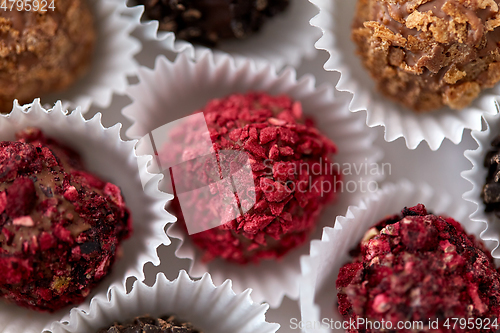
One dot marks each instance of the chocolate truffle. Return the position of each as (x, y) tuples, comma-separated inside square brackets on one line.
[(491, 188), (291, 176), (426, 54), (420, 267), (147, 324), (43, 51), (60, 226), (208, 21)]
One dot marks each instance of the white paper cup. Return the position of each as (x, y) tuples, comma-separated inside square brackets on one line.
[(490, 225), (285, 39), (210, 308), (174, 90), (335, 20), (112, 61), (106, 155), (318, 295)]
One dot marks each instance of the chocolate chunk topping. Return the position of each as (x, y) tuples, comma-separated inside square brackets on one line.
[(491, 188), (208, 21), (147, 324), (43, 52)]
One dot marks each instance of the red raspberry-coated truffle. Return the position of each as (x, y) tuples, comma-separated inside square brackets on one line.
[(291, 170), (420, 267), (60, 226)]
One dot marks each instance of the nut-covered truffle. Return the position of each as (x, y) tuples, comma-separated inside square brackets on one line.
[(60, 226), (426, 54), (208, 21), (43, 51), (148, 324), (420, 267), (291, 176)]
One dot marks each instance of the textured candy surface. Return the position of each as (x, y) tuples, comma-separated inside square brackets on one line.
[(208, 21), (43, 50), (426, 54), (61, 227), (147, 324), (419, 267), (491, 188), (292, 176)]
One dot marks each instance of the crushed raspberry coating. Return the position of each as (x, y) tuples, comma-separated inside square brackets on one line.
[(420, 267), (282, 148), (60, 227)]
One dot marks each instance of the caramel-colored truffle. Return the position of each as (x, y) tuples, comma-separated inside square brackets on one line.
[(43, 51), (426, 54)]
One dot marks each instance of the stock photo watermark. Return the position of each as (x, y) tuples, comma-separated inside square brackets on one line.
[(363, 176), (232, 181), (386, 325), (27, 5)]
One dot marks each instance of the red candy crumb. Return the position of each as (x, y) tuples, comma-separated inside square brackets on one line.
[(56, 239), (419, 267), (285, 152)]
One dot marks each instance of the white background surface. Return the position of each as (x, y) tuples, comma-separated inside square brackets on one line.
[(440, 168)]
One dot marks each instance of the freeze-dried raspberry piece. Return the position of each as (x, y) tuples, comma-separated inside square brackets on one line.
[(270, 130), (21, 197), (419, 267), (61, 227)]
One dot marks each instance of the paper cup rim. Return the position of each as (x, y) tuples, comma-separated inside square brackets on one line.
[(146, 238), (254, 313), (291, 51), (476, 177), (415, 128)]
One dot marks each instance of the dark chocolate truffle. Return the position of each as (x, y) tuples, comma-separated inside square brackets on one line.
[(208, 21), (43, 51), (291, 174), (148, 324), (426, 54), (420, 267), (60, 226), (491, 188)]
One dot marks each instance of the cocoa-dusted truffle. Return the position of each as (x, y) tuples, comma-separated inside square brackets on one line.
[(165, 324), (420, 267), (291, 175), (208, 21), (43, 51), (60, 226), (426, 54), (491, 188)]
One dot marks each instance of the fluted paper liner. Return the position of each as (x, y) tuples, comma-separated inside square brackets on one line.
[(318, 296), (284, 39), (112, 61), (114, 160), (210, 308), (490, 225), (174, 90), (335, 20)]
